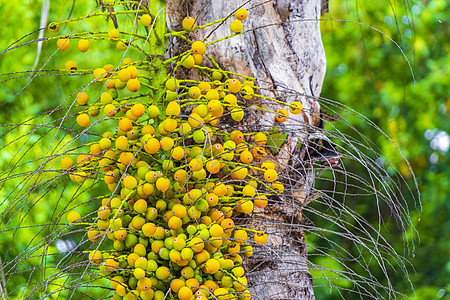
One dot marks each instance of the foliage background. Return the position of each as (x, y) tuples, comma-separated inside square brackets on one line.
[(365, 71)]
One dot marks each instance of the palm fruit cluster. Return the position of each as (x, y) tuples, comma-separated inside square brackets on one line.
[(177, 177)]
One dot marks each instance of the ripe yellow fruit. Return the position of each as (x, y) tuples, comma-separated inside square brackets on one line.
[(247, 92), (122, 143), (73, 216), (63, 44), (281, 116), (198, 58), (173, 109), (195, 120), (166, 143), (295, 107), (246, 157), (213, 166), (99, 73), (188, 62), (124, 75), (195, 165), (83, 45), (236, 26), (95, 257), (261, 201), (133, 71), (162, 184), (188, 23), (129, 182), (121, 46), (146, 20), (113, 34), (261, 238), (71, 66), (169, 125), (212, 266), (138, 110), (133, 85), (125, 124), (237, 114), (241, 14), (234, 85), (198, 47), (270, 175), (185, 293), (260, 139), (66, 163), (83, 120), (82, 98)]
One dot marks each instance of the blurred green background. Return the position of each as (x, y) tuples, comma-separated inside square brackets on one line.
[(368, 73), (365, 71)]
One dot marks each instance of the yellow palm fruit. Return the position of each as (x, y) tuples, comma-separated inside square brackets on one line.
[(188, 62), (260, 139), (71, 66), (188, 23), (261, 201), (73, 216), (82, 98), (99, 73), (113, 34), (234, 85), (83, 45), (194, 92), (138, 110), (261, 237), (66, 163), (63, 44), (237, 114), (282, 115), (95, 257), (270, 175), (133, 85), (83, 120), (295, 107), (146, 20), (241, 14), (152, 146), (236, 26), (124, 75)]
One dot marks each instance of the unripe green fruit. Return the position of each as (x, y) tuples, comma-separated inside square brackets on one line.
[(164, 253), (179, 243), (162, 273), (167, 165), (191, 229), (152, 265), (199, 136), (131, 240), (202, 205), (216, 75), (187, 254), (153, 111)]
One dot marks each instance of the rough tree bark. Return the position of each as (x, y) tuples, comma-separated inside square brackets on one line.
[(282, 48)]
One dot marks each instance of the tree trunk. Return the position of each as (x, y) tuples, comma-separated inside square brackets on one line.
[(282, 48)]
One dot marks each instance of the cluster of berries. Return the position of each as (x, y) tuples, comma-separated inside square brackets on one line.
[(177, 177)]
